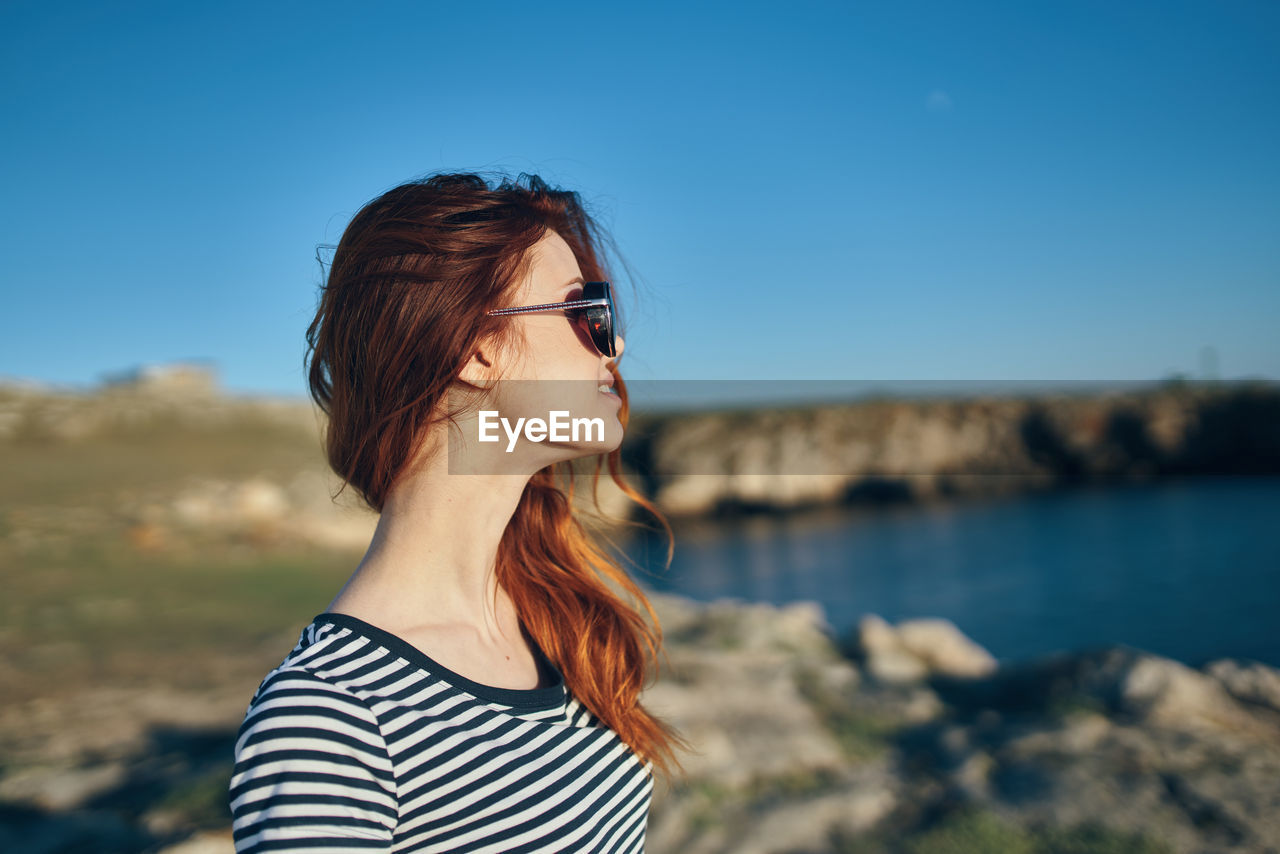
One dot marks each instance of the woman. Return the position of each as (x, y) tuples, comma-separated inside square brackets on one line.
[(473, 686)]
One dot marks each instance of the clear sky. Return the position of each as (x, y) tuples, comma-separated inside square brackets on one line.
[(889, 190)]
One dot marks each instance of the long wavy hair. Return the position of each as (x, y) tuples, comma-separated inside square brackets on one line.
[(401, 310)]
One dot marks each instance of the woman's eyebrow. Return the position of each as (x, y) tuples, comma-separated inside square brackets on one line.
[(578, 280)]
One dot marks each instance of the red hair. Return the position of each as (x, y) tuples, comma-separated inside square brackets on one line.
[(401, 310)]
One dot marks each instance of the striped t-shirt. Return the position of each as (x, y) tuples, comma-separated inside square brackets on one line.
[(358, 741)]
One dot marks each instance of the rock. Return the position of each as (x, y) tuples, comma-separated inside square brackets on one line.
[(808, 823), (917, 648), (897, 666), (206, 842), (884, 656), (1254, 682), (53, 787), (1170, 694), (258, 499), (732, 689), (944, 648)]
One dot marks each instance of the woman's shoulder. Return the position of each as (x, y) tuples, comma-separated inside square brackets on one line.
[(297, 692), (318, 666)]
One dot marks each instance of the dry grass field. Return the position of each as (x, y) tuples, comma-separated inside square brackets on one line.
[(131, 636)]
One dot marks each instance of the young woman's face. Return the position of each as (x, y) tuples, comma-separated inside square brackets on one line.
[(559, 347), (558, 369)]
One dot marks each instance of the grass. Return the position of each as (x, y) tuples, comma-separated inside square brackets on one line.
[(83, 606), (40, 471), (97, 612)]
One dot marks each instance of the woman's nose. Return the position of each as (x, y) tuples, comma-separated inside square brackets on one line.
[(618, 345)]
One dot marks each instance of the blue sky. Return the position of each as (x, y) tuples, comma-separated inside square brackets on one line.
[(892, 190)]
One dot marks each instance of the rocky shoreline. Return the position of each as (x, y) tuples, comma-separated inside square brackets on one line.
[(910, 737), (894, 738)]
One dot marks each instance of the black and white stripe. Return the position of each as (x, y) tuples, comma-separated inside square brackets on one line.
[(360, 742)]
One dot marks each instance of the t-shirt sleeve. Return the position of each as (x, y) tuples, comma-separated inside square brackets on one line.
[(312, 772)]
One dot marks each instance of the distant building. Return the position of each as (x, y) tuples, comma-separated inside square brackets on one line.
[(189, 377)]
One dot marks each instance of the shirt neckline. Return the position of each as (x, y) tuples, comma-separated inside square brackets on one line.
[(529, 699)]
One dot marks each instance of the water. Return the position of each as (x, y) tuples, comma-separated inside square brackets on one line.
[(1188, 569)]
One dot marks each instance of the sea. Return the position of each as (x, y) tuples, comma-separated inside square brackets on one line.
[(1185, 568)]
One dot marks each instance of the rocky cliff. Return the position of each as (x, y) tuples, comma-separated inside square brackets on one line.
[(696, 463)]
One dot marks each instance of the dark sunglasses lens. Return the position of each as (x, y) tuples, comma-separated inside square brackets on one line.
[(600, 320), (600, 325)]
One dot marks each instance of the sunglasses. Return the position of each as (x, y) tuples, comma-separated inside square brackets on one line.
[(595, 304)]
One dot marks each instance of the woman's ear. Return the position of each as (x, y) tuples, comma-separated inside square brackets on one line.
[(477, 370)]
